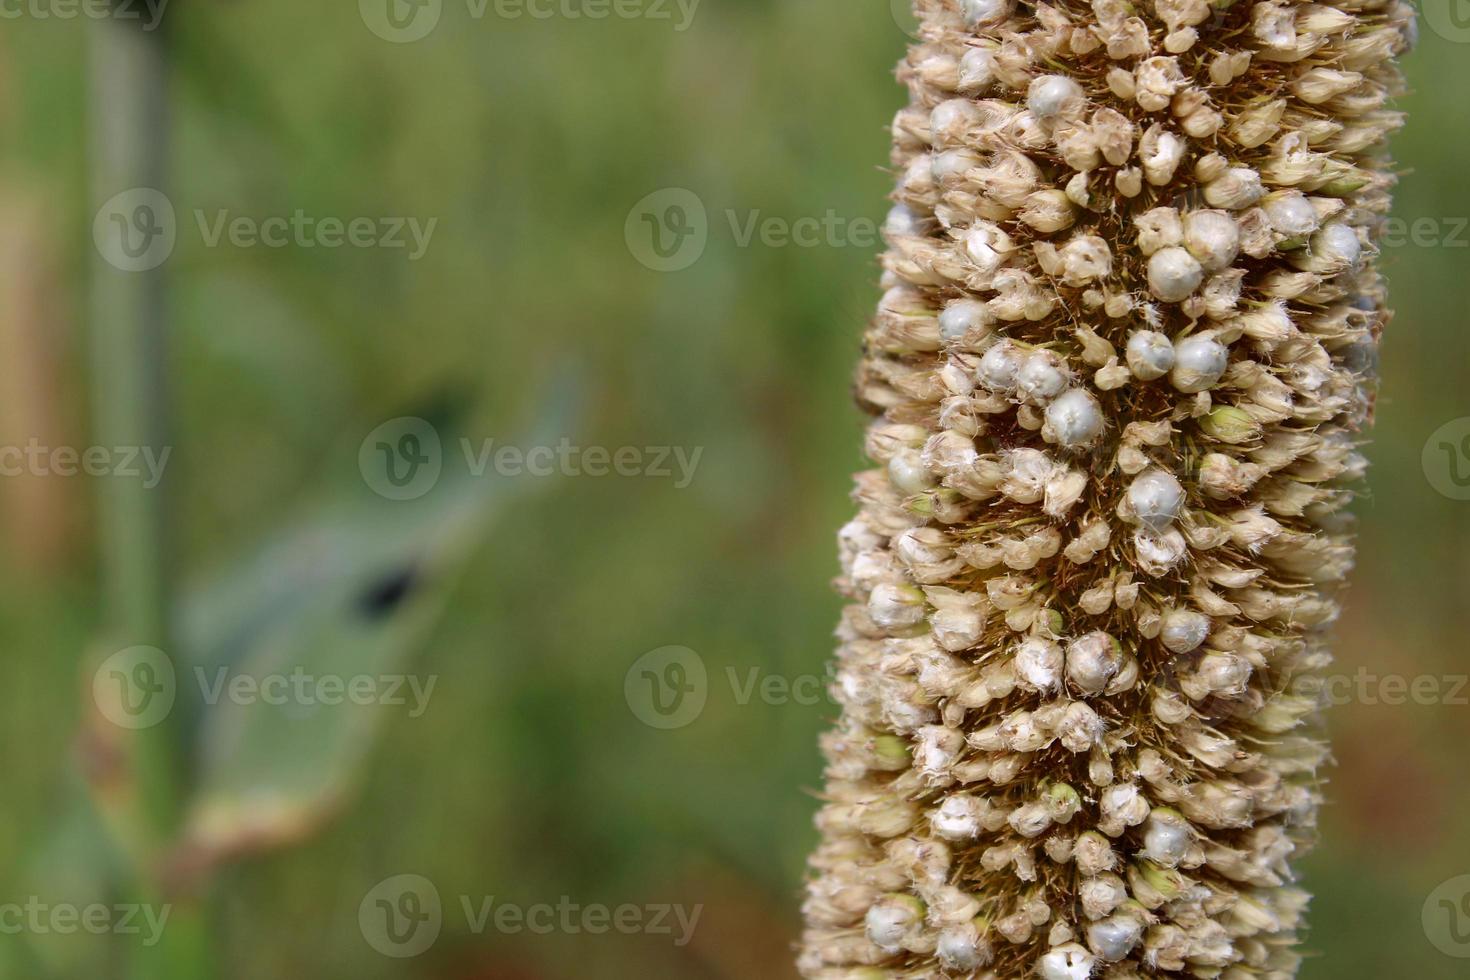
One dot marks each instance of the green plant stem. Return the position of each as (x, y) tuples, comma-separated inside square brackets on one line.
[(129, 129)]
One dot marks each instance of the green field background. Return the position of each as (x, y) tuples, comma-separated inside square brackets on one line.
[(530, 779)]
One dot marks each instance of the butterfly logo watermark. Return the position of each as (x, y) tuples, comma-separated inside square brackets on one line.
[(402, 459), (402, 916), (1446, 917), (1450, 19), (135, 688), (401, 21), (667, 688), (136, 230), (667, 231), (1446, 459)]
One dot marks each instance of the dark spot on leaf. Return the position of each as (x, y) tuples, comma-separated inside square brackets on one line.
[(387, 594)]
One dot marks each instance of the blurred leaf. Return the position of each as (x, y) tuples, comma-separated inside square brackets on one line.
[(349, 594), (342, 596)]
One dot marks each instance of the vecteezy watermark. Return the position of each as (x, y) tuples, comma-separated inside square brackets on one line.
[(137, 230), (401, 21), (1425, 233), (302, 688), (148, 12), (137, 688), (403, 458), (39, 918), (302, 230), (1450, 19), (905, 17), (1394, 690), (668, 230), (406, 21), (403, 916), (1446, 459), (127, 462), (670, 687), (1446, 917)]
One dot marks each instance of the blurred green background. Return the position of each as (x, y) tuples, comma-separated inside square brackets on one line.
[(529, 778)]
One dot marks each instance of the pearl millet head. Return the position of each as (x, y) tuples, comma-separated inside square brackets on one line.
[(1118, 383)]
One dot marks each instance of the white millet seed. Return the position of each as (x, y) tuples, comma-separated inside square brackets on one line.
[(1235, 189), (1093, 661), (1174, 274), (951, 163), (903, 221), (896, 605), (1161, 152), (1124, 804), (1042, 376), (1212, 237), (999, 367), (960, 949), (891, 918), (1101, 895), (1150, 355), (907, 471), (952, 117), (958, 818), (1050, 95), (962, 316), (979, 12), (1156, 498), (1039, 665), (988, 246), (1115, 937), (1069, 962), (1074, 418), (1184, 630), (1199, 362), (1225, 673), (1335, 248), (1166, 838), (1158, 553), (1291, 214), (977, 70)]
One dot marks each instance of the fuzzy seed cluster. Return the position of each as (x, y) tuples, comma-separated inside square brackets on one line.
[(1119, 378)]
